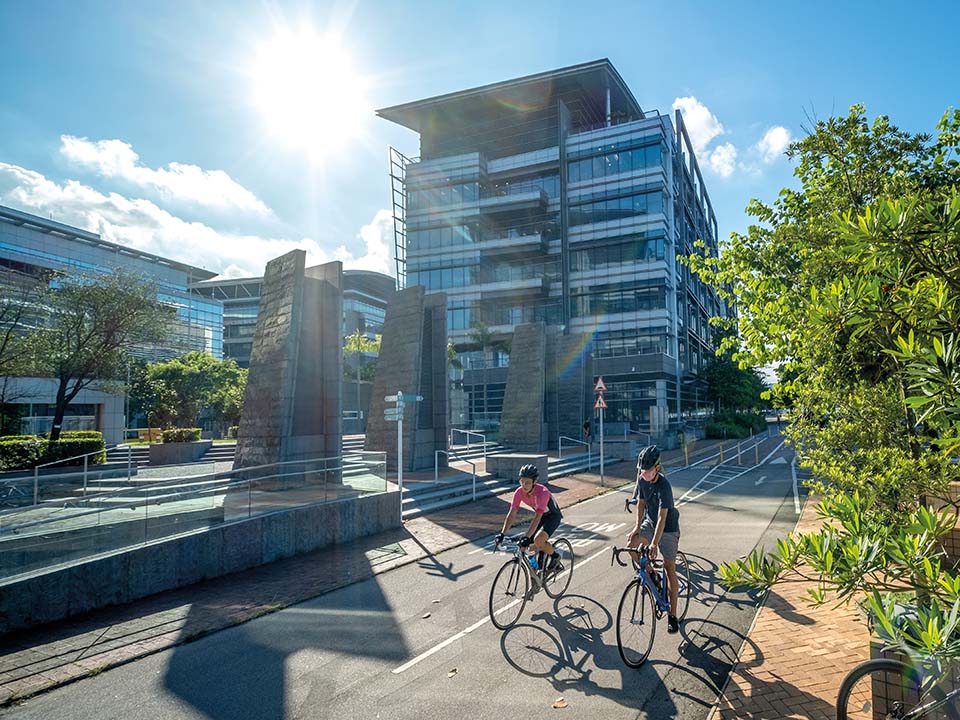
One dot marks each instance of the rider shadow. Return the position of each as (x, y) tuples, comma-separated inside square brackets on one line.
[(435, 568), (706, 591), (573, 637)]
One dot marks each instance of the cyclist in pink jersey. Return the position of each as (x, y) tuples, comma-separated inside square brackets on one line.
[(546, 519)]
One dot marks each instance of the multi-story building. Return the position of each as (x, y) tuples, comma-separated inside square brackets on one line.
[(556, 198), (35, 247)]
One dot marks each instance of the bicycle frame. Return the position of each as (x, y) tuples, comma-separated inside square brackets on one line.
[(538, 575), (643, 575)]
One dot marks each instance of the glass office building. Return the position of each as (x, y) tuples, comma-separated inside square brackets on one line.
[(33, 248), (556, 198)]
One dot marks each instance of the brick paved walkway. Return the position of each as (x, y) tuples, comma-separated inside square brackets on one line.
[(795, 657)]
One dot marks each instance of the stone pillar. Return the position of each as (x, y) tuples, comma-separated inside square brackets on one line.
[(292, 408), (412, 360), (569, 385), (522, 425)]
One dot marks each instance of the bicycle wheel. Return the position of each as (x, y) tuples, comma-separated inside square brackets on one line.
[(883, 688), (684, 584), (508, 594), (636, 624), (556, 583)]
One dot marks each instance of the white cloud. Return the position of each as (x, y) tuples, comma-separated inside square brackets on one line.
[(142, 225), (190, 183), (773, 143), (702, 125), (377, 237), (723, 159)]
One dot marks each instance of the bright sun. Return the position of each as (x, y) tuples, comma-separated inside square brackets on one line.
[(308, 92)]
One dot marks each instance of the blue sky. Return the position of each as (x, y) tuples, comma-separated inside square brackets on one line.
[(144, 121)]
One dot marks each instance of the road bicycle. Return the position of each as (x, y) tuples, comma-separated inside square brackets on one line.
[(645, 600), (888, 689), (524, 575)]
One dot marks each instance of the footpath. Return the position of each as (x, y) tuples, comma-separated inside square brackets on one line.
[(789, 667)]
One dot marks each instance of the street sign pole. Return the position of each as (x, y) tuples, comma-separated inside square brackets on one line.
[(400, 451), (601, 448)]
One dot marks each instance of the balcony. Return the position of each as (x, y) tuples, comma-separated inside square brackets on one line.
[(535, 200), (514, 242)]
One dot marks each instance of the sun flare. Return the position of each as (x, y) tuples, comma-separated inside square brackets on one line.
[(308, 92)]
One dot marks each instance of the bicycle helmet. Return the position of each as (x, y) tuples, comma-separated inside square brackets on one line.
[(530, 471), (648, 457)]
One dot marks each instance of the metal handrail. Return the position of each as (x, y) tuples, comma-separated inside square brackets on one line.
[(468, 433), (85, 456), (436, 467), (579, 442), (628, 431)]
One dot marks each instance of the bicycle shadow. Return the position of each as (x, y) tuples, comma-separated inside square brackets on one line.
[(706, 590), (569, 647)]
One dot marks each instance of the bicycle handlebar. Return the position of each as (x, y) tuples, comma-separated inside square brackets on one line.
[(643, 551), (627, 503)]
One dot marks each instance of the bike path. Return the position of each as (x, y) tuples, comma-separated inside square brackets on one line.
[(336, 655)]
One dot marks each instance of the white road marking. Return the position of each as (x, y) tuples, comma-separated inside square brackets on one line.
[(453, 638), (760, 480)]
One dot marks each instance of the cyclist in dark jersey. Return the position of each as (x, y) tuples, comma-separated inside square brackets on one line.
[(658, 522), (546, 519)]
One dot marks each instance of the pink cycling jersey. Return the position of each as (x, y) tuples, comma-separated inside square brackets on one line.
[(540, 502)]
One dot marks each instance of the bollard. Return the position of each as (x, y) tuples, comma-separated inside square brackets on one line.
[(739, 454), (756, 454), (721, 454), (686, 454)]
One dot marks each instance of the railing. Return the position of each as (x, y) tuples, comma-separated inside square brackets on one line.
[(436, 467), (76, 527), (86, 463), (579, 442), (628, 431), (468, 433)]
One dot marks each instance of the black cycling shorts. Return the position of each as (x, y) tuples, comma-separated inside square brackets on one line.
[(549, 523)]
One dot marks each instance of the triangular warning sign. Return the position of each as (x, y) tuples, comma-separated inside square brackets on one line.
[(600, 386), (600, 404)]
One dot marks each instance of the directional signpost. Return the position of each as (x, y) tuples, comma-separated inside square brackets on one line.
[(395, 414), (600, 405)]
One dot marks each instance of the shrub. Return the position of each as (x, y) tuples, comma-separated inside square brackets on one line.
[(20, 454), (175, 435), (81, 434), (24, 454), (735, 425), (8, 438)]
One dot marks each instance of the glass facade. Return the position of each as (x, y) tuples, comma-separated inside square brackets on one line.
[(38, 246), (571, 214)]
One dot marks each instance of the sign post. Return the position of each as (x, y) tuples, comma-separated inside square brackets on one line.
[(600, 405), (395, 414)]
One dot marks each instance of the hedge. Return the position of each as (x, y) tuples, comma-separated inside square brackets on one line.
[(24, 454), (81, 434), (734, 425), (175, 435), (8, 438)]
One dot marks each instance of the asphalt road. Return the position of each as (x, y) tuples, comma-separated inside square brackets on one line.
[(372, 651)]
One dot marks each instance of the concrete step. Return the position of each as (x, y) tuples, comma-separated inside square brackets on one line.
[(426, 499), (572, 464), (476, 450)]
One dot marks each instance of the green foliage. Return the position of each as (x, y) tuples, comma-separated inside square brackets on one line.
[(851, 283), (180, 435), (27, 453), (177, 391), (89, 326), (731, 424), (10, 438)]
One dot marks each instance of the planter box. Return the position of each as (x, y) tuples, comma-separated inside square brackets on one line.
[(507, 465), (178, 453)]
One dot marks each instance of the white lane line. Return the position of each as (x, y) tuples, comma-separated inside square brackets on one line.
[(686, 497), (453, 638), (760, 480), (796, 494)]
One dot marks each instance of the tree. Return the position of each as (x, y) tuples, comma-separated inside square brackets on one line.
[(177, 391), (731, 387), (90, 324), (358, 343), (852, 282), (21, 296)]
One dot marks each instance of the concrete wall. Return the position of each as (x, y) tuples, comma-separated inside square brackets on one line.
[(122, 577), (569, 386), (507, 465), (176, 453)]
